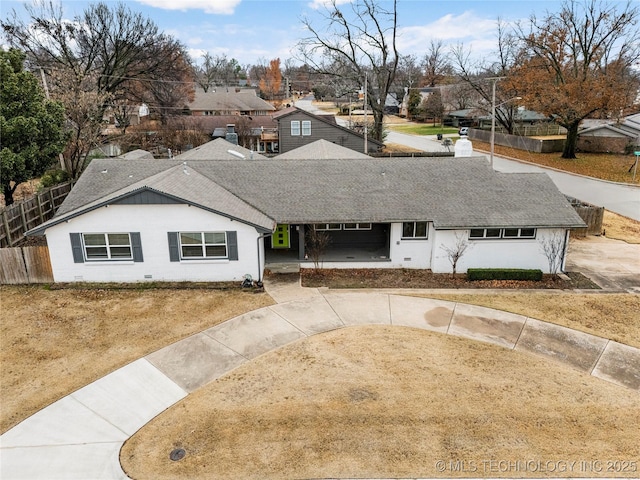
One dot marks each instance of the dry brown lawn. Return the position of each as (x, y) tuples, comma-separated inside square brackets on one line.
[(612, 316), (621, 228), (613, 167), (389, 402), (56, 341)]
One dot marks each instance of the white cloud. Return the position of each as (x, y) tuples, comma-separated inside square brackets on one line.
[(467, 28), (221, 7), (317, 4)]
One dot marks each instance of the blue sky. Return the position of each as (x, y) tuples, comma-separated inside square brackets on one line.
[(249, 30)]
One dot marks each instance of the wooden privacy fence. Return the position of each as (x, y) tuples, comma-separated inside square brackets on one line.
[(22, 216), (592, 216), (25, 265)]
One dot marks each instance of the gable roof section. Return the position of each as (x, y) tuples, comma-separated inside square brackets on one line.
[(218, 149), (177, 182), (137, 154), (615, 130), (327, 121), (321, 149)]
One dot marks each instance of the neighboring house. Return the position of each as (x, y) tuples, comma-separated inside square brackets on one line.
[(297, 127), (218, 220), (244, 102), (258, 133), (461, 118), (403, 106), (610, 137)]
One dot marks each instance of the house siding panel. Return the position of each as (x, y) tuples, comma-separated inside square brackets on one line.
[(157, 265), (319, 130), (499, 253)]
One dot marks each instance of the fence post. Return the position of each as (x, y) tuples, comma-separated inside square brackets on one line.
[(6, 228), (23, 216), (39, 208), (51, 198)]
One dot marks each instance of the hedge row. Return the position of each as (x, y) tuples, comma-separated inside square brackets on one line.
[(503, 274)]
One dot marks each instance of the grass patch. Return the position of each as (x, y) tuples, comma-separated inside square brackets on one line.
[(387, 402), (421, 129), (56, 341), (621, 228), (613, 316), (613, 167)]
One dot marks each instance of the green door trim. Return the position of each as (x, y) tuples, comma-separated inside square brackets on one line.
[(281, 237)]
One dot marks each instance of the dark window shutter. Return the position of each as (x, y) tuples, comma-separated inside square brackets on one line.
[(232, 245), (76, 247), (136, 246), (174, 249)]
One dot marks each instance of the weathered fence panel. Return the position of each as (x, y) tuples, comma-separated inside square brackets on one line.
[(38, 264), (27, 214), (12, 268), (19, 265), (593, 216)]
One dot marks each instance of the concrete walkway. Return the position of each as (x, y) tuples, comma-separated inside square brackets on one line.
[(80, 436)]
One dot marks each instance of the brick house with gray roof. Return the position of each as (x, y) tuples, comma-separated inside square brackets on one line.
[(219, 219)]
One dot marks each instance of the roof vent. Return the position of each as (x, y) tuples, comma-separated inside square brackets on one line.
[(236, 154)]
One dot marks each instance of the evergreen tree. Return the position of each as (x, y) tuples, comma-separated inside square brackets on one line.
[(31, 126)]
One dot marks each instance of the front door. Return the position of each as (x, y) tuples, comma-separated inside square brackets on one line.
[(280, 238)]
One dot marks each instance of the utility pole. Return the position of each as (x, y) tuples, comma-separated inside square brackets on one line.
[(366, 149)]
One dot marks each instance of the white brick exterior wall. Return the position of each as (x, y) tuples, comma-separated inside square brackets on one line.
[(153, 222)]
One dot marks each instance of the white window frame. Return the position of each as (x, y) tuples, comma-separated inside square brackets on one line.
[(321, 227), (295, 128), (108, 246), (203, 246), (502, 234), (357, 226), (413, 235), (519, 234), (306, 128)]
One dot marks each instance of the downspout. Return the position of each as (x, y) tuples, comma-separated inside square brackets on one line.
[(564, 249), (261, 237)]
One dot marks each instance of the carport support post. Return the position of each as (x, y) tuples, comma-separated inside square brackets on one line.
[(301, 242), (261, 237)]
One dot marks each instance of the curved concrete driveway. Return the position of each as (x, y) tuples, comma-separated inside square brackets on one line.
[(80, 436)]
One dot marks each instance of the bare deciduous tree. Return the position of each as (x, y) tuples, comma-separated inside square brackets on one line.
[(456, 251), (316, 243), (354, 43), (553, 248), (436, 64), (578, 62), (217, 71), (480, 75), (102, 54)]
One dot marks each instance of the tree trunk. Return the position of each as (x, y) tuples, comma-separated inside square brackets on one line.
[(8, 193), (572, 140), (378, 124)]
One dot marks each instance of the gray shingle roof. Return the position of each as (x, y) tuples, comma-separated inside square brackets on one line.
[(137, 154), (451, 192), (229, 101), (218, 149), (321, 149)]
